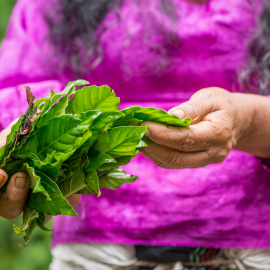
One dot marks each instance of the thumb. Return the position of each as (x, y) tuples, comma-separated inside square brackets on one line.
[(200, 104)]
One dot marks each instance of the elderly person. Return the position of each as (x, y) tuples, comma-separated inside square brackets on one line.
[(159, 54)]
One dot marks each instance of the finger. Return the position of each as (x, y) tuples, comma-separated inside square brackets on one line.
[(5, 132), (198, 137), (74, 199), (154, 160), (13, 200), (200, 104), (3, 177), (172, 159)]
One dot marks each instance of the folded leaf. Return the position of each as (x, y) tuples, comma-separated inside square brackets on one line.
[(155, 115), (97, 159), (76, 181), (120, 140), (119, 161), (115, 178), (69, 89), (30, 215), (92, 183), (57, 206), (35, 182)]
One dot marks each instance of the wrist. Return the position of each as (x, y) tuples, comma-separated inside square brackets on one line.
[(244, 112), (251, 124)]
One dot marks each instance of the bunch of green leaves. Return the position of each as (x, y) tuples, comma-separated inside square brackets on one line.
[(75, 144)]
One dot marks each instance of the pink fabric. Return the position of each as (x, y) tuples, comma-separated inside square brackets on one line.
[(151, 62)]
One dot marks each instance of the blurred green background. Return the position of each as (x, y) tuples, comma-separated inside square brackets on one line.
[(5, 11), (36, 256)]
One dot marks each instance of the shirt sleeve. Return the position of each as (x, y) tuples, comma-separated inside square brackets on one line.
[(25, 57)]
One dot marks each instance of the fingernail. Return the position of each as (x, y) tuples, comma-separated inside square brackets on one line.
[(2, 178), (179, 113), (20, 182), (147, 133)]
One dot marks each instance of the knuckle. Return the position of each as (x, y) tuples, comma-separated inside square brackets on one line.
[(192, 109), (224, 137), (173, 161), (188, 142), (221, 133), (205, 93), (220, 155), (160, 164)]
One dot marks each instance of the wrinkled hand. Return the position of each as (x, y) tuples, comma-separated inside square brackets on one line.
[(207, 140), (13, 200)]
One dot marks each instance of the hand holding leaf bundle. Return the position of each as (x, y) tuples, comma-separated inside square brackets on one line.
[(73, 145)]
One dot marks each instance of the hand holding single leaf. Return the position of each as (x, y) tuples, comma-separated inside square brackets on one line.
[(207, 140)]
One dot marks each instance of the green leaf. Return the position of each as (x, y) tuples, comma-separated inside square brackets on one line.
[(128, 119), (42, 227), (35, 182), (115, 178), (57, 206), (96, 159), (92, 182), (69, 90), (103, 122), (44, 104), (119, 161), (77, 180), (56, 110), (52, 169), (30, 216), (120, 140), (155, 115), (40, 221), (63, 134), (93, 98)]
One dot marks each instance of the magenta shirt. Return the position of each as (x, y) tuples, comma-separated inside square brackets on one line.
[(149, 62)]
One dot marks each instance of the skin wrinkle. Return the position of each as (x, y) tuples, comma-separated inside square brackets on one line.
[(188, 142)]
